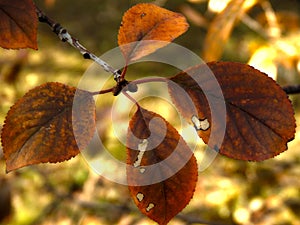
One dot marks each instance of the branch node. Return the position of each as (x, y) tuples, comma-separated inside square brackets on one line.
[(117, 75), (56, 28), (86, 55), (42, 18), (119, 87), (132, 87)]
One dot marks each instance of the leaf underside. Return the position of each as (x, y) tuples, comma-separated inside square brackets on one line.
[(40, 127), (146, 28), (170, 161), (259, 116), (18, 24)]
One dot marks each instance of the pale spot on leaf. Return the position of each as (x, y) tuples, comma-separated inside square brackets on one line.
[(142, 148), (149, 207), (140, 197), (142, 170), (143, 145), (200, 124)]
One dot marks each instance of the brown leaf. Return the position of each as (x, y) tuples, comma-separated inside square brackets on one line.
[(18, 24), (162, 170), (149, 27), (220, 30), (41, 126), (259, 116)]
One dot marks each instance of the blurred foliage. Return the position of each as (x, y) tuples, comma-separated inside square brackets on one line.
[(229, 192)]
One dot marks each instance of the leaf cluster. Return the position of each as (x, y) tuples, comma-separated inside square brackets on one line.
[(47, 125)]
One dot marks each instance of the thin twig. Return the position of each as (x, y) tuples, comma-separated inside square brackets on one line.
[(292, 89), (64, 36), (102, 91), (150, 79)]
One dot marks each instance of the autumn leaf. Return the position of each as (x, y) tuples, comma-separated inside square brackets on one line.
[(40, 127), (18, 26), (146, 27), (259, 116), (162, 170)]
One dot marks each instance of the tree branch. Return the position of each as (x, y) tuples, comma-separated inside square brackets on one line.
[(292, 89), (64, 36)]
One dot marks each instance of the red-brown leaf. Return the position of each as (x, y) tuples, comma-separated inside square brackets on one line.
[(18, 24), (145, 22), (162, 179), (40, 127), (259, 118)]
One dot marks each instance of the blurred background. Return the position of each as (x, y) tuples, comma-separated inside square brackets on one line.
[(263, 33)]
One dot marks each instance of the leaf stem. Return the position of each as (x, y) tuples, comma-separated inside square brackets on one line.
[(141, 81), (122, 76), (64, 36), (131, 98), (102, 91), (148, 80)]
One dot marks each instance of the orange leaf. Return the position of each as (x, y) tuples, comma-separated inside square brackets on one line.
[(162, 170), (148, 27), (18, 26), (259, 116), (40, 127)]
